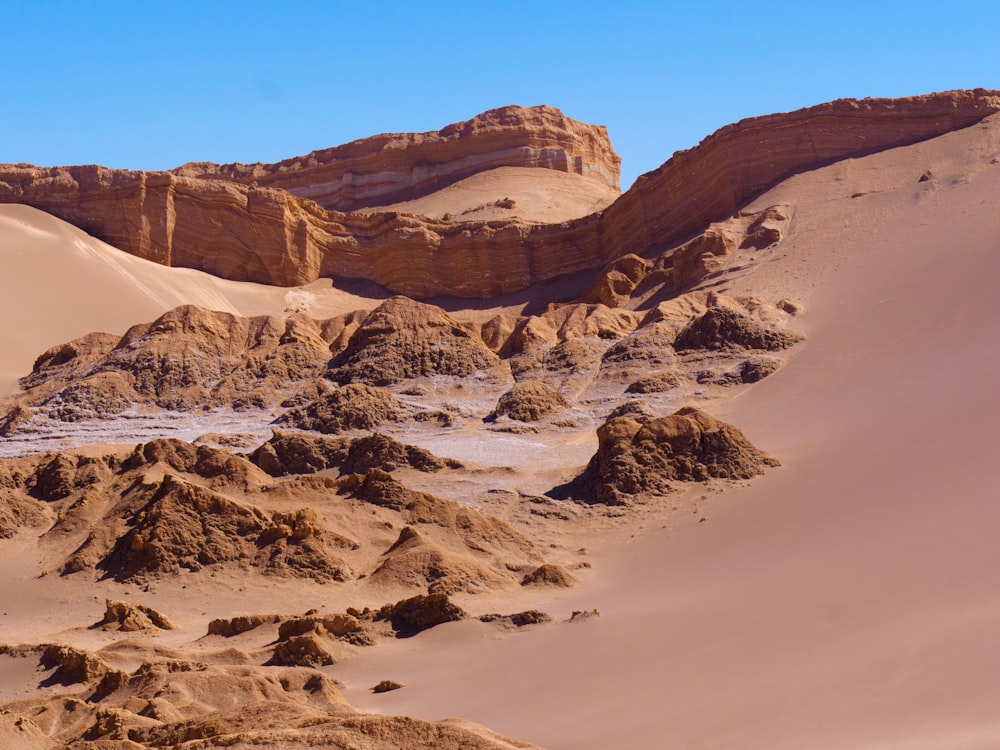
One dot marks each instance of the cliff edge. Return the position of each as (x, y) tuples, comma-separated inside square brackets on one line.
[(208, 218)]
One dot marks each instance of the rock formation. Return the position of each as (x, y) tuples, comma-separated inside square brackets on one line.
[(529, 401), (128, 617), (186, 527), (721, 328), (402, 339), (296, 240), (264, 233), (355, 406), (399, 166), (188, 357), (635, 458)]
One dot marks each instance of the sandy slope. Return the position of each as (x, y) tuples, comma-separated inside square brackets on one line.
[(847, 600), (541, 195), (49, 267)]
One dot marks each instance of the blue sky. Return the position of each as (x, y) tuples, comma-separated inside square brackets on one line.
[(150, 86)]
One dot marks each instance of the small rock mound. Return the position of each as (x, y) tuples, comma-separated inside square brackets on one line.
[(187, 527), (379, 451), (518, 619), (403, 339), (459, 525), (414, 560), (287, 453), (18, 512), (343, 626), (386, 686), (529, 401), (549, 574), (201, 460), (72, 666), (757, 368), (721, 328), (634, 458), (353, 407), (128, 617), (64, 474), (416, 614), (14, 419), (186, 358), (228, 627), (302, 651), (657, 382)]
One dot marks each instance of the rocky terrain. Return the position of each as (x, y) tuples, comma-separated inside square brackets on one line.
[(224, 515), (269, 235)]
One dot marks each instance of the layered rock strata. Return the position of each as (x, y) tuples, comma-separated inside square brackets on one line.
[(400, 166), (258, 232)]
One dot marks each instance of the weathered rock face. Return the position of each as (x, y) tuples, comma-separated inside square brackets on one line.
[(259, 232), (187, 357), (356, 406), (529, 401), (399, 166), (634, 457), (402, 339)]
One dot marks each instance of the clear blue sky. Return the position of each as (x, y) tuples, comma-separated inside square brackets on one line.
[(147, 85)]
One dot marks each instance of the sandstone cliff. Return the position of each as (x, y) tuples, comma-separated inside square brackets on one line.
[(266, 234), (399, 166)]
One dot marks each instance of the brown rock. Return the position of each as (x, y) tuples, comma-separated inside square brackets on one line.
[(379, 451), (187, 527), (302, 651), (289, 453), (758, 368), (17, 512), (404, 339), (726, 329), (549, 575), (269, 235), (657, 382), (416, 614), (476, 531), (689, 445), (414, 560), (188, 357), (529, 401), (355, 406), (18, 416), (386, 686), (227, 627), (518, 619), (129, 617)]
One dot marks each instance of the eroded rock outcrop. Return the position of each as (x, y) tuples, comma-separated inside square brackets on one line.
[(128, 617), (529, 401), (266, 234), (355, 406), (688, 446), (721, 328), (402, 339), (187, 527), (189, 357)]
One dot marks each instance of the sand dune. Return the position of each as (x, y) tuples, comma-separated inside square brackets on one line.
[(539, 195), (846, 600)]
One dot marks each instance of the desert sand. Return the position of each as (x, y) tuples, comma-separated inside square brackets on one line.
[(846, 598)]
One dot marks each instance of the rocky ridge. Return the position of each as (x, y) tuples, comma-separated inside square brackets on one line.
[(399, 166), (269, 235)]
